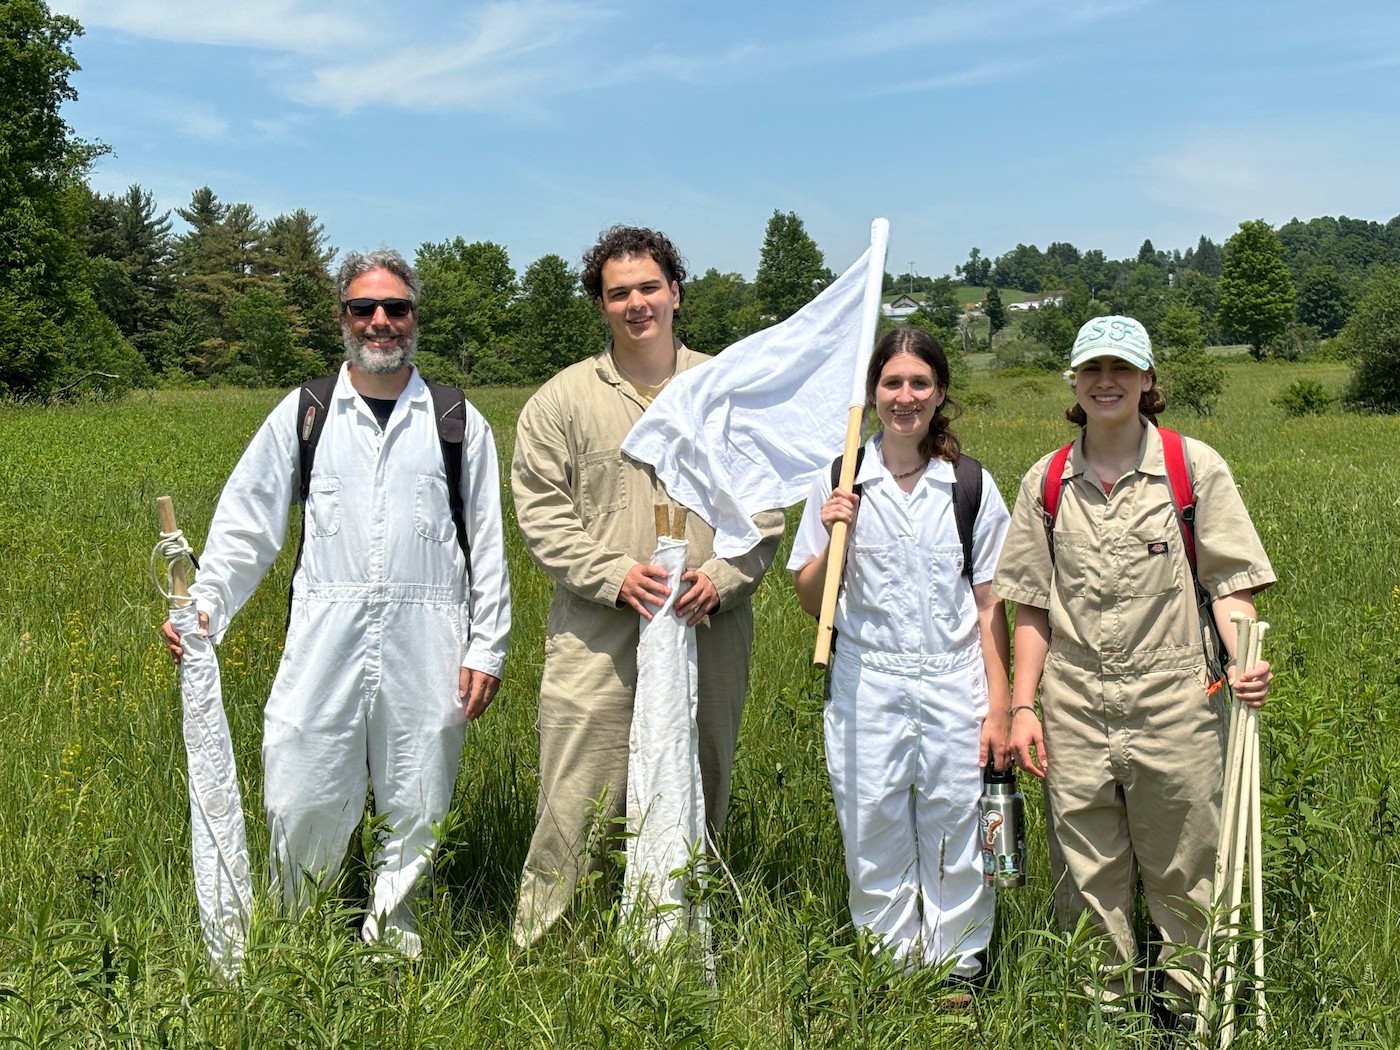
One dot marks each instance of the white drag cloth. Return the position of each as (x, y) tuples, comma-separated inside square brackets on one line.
[(665, 798), (749, 430), (217, 836)]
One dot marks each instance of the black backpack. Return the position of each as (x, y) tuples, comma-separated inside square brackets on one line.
[(967, 498), (450, 412)]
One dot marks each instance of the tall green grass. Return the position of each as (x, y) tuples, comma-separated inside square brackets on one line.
[(98, 928)]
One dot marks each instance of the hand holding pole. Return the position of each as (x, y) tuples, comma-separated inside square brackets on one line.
[(836, 553)]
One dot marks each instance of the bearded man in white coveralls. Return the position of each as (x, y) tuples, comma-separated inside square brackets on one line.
[(394, 643)]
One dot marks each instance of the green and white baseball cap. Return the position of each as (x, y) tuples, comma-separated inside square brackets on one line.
[(1120, 337)]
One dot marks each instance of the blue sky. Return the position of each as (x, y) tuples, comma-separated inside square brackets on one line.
[(536, 123)]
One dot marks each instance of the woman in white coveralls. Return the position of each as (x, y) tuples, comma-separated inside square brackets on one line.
[(919, 684)]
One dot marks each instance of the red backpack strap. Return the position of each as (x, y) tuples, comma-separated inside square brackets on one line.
[(1050, 490), (1182, 490), (1053, 485)]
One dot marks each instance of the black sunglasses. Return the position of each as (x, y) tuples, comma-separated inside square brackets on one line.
[(366, 307)]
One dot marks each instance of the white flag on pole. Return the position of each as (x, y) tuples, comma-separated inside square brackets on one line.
[(747, 431)]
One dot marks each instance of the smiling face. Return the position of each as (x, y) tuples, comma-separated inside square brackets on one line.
[(906, 395), (379, 344), (638, 303), (1110, 389)]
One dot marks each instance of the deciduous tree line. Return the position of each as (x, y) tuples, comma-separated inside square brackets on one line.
[(1250, 290), (100, 293)]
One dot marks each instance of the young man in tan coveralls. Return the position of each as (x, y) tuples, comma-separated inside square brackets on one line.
[(587, 514), (1109, 631)]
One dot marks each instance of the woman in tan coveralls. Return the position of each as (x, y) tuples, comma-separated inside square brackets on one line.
[(1132, 745)]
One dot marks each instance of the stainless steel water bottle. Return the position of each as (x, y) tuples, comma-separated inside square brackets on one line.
[(1003, 827)]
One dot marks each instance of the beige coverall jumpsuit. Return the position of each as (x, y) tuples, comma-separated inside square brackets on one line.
[(587, 514), (1135, 744)]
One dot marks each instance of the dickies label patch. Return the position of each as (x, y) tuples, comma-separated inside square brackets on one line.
[(1157, 547)]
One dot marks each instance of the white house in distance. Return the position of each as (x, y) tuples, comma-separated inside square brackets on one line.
[(900, 307), (1039, 302)]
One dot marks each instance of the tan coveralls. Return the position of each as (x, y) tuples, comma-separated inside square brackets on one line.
[(587, 514), (1135, 744)]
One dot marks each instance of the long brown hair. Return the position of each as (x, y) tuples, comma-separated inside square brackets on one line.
[(940, 442)]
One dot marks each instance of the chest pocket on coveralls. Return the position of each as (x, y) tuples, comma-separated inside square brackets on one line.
[(1076, 558), (952, 604), (323, 506), (1146, 573), (871, 582), (432, 516), (602, 483)]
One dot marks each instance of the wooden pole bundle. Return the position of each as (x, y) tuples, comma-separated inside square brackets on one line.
[(1239, 841)]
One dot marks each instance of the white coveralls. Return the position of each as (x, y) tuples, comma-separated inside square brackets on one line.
[(383, 615), (908, 696)]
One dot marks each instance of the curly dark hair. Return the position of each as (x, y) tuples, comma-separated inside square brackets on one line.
[(620, 242), (1150, 404), (940, 442)]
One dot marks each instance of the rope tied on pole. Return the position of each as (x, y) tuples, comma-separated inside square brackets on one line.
[(175, 551)]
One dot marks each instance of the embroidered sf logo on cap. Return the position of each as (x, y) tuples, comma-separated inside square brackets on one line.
[(1121, 337)]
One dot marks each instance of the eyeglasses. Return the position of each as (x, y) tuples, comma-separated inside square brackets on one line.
[(366, 307)]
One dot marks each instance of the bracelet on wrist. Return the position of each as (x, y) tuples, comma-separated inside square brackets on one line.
[(1020, 707)]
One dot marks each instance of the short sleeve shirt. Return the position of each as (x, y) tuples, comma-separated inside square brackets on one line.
[(904, 590), (1120, 581)]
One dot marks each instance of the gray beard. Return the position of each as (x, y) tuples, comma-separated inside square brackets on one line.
[(377, 363)]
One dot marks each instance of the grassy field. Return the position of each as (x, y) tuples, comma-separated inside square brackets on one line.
[(98, 929)]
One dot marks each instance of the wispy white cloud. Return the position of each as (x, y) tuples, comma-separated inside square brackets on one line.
[(504, 56), (518, 55), (198, 123), (278, 128), (858, 37), (161, 114), (307, 27), (1230, 174), (971, 76), (1386, 61), (353, 53)]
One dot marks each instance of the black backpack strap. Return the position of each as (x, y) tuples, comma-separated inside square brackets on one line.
[(450, 414), (836, 470), (312, 410), (967, 501), (313, 405)]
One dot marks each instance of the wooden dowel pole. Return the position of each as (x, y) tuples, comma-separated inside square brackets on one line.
[(836, 555), (1256, 871), (179, 578)]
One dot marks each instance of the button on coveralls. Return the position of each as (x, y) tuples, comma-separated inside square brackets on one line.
[(383, 615), (1135, 744), (907, 701), (586, 511)]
